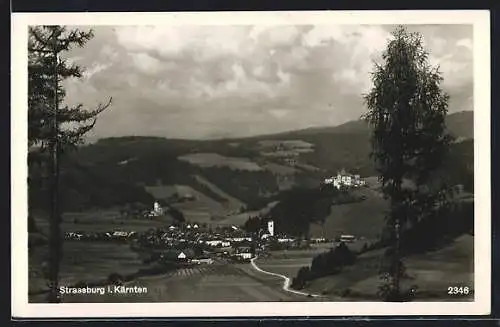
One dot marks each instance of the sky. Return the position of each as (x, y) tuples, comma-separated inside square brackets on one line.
[(206, 82)]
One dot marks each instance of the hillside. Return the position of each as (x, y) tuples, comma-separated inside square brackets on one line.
[(460, 124), (228, 176), (432, 272), (363, 219)]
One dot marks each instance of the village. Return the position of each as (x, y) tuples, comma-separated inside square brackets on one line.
[(194, 243)]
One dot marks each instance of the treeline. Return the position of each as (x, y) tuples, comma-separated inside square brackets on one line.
[(112, 172), (299, 207), (85, 188), (433, 232), (324, 264), (439, 229), (254, 224)]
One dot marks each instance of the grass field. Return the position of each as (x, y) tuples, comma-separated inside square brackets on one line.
[(85, 262), (280, 169), (362, 219), (241, 218), (432, 272), (288, 262), (214, 283), (217, 160), (200, 209), (103, 221), (231, 202)]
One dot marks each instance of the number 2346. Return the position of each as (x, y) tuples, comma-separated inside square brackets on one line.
[(458, 290)]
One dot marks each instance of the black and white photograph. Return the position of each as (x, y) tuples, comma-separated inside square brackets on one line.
[(226, 164)]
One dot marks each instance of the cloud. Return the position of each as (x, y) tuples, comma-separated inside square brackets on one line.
[(466, 43), (213, 81)]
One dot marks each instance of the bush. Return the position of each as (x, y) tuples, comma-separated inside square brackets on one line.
[(332, 261), (303, 275)]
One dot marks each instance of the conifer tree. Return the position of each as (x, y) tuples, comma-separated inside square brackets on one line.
[(53, 127)]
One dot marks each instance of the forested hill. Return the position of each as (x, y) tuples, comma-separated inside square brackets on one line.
[(116, 171)]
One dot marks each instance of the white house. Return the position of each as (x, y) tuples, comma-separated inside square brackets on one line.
[(239, 239), (245, 255), (344, 179), (220, 243), (120, 234), (347, 238), (157, 210)]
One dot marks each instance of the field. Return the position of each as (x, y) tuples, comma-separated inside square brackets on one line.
[(217, 160), (230, 202), (210, 283), (85, 262), (432, 272), (200, 209), (280, 169), (103, 221), (362, 219), (288, 262)]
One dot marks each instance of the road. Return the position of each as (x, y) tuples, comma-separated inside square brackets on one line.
[(205, 283), (286, 281)]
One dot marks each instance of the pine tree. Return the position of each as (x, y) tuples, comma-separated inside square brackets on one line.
[(53, 128), (406, 110)]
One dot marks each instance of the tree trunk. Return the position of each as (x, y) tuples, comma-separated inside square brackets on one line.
[(55, 219)]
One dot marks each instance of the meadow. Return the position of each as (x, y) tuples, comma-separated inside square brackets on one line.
[(217, 160), (288, 262), (220, 283), (362, 218), (103, 221), (84, 262), (432, 272)]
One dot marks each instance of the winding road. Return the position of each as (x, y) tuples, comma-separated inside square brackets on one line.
[(286, 282)]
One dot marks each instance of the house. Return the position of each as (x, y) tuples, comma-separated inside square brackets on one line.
[(157, 210), (118, 234), (285, 240), (244, 255), (217, 243), (177, 255), (347, 238), (344, 179), (206, 261)]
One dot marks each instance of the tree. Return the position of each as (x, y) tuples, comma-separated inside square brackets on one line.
[(54, 128), (406, 110)]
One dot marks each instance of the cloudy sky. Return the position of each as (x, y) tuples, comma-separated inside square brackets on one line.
[(231, 81)]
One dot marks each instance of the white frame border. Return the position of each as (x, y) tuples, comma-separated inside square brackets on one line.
[(480, 20)]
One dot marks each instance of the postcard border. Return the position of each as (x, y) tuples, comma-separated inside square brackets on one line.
[(480, 19)]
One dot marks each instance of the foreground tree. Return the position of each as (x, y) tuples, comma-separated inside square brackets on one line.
[(53, 128), (406, 110)]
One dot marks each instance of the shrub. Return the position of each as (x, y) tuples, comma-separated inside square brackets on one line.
[(303, 275)]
